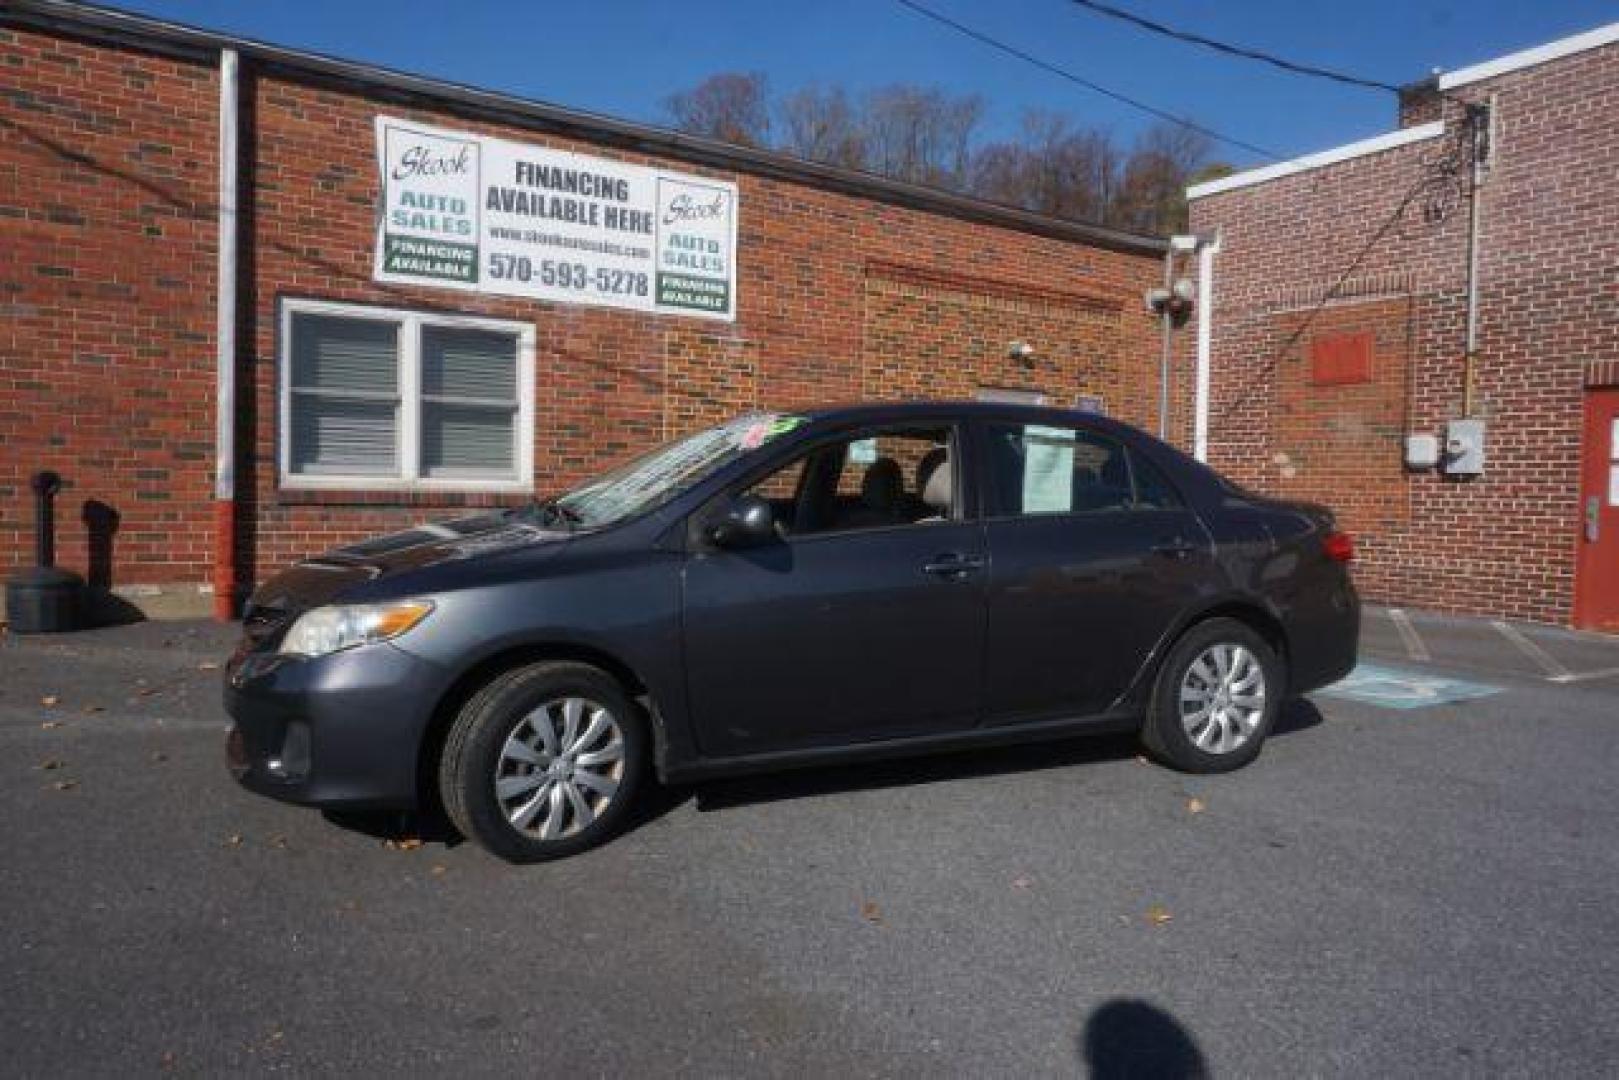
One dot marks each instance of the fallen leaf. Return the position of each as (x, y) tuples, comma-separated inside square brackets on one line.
[(1158, 915), (1022, 881), (147, 691), (440, 871), (49, 724), (49, 700), (65, 785), (871, 913), (1195, 806), (408, 843), (168, 1059), (1141, 759), (50, 764), (94, 709), (279, 842), (207, 665), (235, 840)]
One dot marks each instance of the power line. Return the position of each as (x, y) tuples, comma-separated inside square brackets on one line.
[(1234, 50), (1441, 170), (1078, 80)]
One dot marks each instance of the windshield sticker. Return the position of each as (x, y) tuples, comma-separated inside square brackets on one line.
[(762, 430)]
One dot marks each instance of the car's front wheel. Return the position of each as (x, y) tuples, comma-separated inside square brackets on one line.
[(544, 761), (1216, 698)]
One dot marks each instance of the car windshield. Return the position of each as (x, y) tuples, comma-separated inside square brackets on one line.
[(658, 476)]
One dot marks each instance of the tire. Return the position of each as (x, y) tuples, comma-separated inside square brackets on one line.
[(510, 781), (1210, 731)]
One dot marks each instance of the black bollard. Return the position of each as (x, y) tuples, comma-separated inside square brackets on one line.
[(42, 599)]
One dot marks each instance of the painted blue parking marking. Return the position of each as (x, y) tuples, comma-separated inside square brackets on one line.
[(1398, 688)]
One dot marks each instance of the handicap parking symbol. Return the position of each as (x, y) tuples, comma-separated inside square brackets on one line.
[(1395, 688)]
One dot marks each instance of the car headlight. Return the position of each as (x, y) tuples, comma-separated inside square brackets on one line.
[(343, 626)]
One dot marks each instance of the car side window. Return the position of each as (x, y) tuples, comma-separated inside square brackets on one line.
[(873, 479), (1049, 469), (1153, 489)]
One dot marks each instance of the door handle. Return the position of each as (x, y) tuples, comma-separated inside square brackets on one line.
[(1593, 518), (952, 565), (1175, 548)]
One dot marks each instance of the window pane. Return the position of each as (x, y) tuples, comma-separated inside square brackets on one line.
[(1153, 490), (478, 364), (876, 481), (1055, 470), (350, 355), (347, 436), (468, 440)]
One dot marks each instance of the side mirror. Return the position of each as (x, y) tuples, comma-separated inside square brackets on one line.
[(747, 522)]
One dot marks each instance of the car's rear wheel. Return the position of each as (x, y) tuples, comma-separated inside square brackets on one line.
[(544, 761), (1216, 698)]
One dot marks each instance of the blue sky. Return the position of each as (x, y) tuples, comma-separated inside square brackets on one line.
[(623, 57)]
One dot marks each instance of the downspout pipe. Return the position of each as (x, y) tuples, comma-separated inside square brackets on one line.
[(1478, 123), (1166, 320), (225, 585), (1206, 252)]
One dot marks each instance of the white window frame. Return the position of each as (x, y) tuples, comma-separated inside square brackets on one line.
[(409, 447)]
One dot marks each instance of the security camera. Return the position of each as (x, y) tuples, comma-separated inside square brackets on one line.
[(1022, 352)]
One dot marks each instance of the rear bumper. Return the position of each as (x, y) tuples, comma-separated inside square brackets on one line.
[(1324, 638), (342, 730)]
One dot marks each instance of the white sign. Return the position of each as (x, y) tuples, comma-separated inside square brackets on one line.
[(471, 212), (1048, 470)]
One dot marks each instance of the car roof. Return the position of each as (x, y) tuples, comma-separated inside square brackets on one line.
[(948, 408)]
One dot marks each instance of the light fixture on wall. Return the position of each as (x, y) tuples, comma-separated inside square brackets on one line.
[(1022, 352)]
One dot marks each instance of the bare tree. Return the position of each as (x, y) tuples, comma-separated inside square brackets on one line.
[(925, 135), (1152, 195), (1001, 173), (822, 126), (921, 134), (731, 106), (1053, 168)]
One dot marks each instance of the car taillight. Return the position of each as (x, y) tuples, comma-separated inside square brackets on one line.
[(1339, 546)]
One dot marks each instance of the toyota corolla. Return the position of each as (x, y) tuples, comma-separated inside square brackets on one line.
[(790, 589)]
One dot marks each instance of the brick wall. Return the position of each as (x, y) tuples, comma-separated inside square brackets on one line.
[(107, 178), (107, 182), (1503, 543)]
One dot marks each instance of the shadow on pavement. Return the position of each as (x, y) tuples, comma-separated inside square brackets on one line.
[(1126, 1037), (431, 825), (1297, 715)]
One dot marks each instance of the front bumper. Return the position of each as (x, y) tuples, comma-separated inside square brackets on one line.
[(343, 730)]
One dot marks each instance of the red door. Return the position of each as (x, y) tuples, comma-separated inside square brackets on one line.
[(1596, 592)]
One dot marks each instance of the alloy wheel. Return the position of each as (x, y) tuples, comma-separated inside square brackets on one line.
[(1222, 698)]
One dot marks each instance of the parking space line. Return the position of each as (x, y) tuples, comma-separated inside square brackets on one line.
[(1581, 676), (1547, 663), (1414, 645)]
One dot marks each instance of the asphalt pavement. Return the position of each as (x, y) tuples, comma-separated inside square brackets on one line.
[(1412, 889)]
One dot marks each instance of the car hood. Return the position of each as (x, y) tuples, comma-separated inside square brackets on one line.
[(318, 580)]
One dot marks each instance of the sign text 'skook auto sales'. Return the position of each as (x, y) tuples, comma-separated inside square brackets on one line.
[(470, 212)]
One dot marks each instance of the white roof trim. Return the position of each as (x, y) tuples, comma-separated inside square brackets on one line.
[(1540, 54), (1373, 145)]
